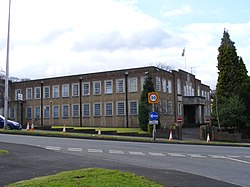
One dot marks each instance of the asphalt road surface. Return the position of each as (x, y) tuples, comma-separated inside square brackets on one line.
[(167, 164)]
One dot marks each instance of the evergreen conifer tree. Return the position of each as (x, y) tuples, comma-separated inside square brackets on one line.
[(144, 107), (232, 70), (232, 80)]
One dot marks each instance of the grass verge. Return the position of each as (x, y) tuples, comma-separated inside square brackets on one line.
[(89, 177)]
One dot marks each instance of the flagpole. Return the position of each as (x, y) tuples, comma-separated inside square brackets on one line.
[(185, 63), (6, 96), (183, 55)]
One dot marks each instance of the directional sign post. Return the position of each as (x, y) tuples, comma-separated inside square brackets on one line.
[(154, 121)]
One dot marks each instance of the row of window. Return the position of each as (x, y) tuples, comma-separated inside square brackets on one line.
[(86, 110), (96, 89), (97, 109), (161, 85)]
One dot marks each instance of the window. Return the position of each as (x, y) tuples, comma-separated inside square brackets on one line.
[(29, 94), (28, 112), (143, 79), (37, 93), (178, 86), (164, 107), (46, 92), (164, 85), (185, 90), (97, 87), (179, 109), (198, 91), (17, 92), (65, 111), (170, 108), (192, 92), (120, 85), (86, 110), (46, 112), (158, 84), (86, 88), (65, 90), (56, 91), (205, 110), (11, 112), (109, 109), (75, 89), (133, 107), (169, 86), (120, 106), (75, 110), (56, 111), (109, 87), (132, 84), (97, 109), (37, 112)]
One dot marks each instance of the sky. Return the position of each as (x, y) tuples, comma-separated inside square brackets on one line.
[(51, 38)]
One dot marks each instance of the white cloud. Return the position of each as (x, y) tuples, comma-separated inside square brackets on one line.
[(62, 37), (185, 9)]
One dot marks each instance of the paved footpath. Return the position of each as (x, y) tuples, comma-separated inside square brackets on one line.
[(26, 162)]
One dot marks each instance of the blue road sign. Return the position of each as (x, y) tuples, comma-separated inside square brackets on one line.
[(153, 115)]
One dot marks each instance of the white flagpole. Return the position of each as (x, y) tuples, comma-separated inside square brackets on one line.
[(6, 97)]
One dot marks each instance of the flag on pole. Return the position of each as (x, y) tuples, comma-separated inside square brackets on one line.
[(183, 52)]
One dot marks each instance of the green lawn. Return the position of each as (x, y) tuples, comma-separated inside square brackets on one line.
[(3, 152), (119, 130), (89, 177)]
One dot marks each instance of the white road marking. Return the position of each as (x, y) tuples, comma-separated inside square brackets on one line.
[(176, 154), (156, 154), (136, 153), (53, 148), (237, 160), (95, 151), (234, 156), (75, 149), (217, 156), (197, 156), (116, 152)]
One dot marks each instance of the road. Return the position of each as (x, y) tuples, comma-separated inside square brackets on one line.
[(228, 164)]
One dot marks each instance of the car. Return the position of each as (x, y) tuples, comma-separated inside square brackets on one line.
[(10, 124)]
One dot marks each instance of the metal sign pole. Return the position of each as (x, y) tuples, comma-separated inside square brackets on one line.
[(154, 129)]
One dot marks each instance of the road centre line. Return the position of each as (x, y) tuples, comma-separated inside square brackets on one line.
[(95, 151), (197, 156), (75, 149), (136, 153), (156, 154), (217, 156), (53, 148), (116, 152), (176, 154)]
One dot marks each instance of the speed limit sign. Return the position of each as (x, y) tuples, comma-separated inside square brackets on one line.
[(153, 97)]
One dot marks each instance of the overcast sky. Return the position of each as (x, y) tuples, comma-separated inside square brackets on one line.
[(65, 37)]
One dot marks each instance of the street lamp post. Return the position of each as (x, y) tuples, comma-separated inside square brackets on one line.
[(126, 96), (42, 103), (6, 97), (80, 96)]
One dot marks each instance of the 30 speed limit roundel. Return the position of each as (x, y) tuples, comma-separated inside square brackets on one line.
[(153, 97)]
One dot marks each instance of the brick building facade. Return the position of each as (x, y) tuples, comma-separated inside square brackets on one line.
[(102, 97)]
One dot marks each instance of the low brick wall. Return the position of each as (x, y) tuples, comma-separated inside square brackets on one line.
[(226, 136)]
